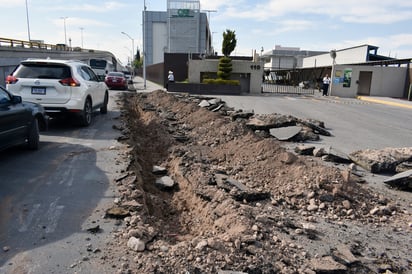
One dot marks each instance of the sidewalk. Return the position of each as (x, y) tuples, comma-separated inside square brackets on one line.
[(138, 83)]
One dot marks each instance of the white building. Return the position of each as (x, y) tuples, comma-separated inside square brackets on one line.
[(281, 58), (354, 55), (183, 28)]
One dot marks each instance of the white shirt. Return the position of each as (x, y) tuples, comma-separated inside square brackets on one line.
[(171, 77), (326, 80)]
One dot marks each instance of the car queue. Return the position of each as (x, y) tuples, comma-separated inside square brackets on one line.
[(39, 89)]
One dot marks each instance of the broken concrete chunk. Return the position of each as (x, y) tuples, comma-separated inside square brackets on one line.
[(204, 104), (214, 101), (334, 155), (381, 161), (165, 182), (136, 244), (316, 128), (268, 121), (244, 114), (217, 108), (304, 150), (319, 152), (285, 133), (401, 181), (158, 170), (117, 212)]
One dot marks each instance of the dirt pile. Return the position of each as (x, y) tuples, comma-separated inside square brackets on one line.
[(241, 202)]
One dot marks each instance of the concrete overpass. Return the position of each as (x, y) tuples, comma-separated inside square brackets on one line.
[(13, 51)]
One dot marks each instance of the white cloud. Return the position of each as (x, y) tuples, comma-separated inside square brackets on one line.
[(366, 11), (101, 7), (80, 22)]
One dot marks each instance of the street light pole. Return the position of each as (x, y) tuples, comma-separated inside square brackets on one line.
[(333, 55), (81, 30), (64, 22), (28, 24), (133, 54)]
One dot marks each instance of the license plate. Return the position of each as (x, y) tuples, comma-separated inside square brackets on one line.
[(38, 90), (114, 80)]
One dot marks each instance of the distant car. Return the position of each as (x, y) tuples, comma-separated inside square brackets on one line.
[(116, 80), (20, 122), (62, 87), (128, 76)]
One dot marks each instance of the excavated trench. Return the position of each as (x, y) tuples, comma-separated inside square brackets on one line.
[(293, 213)]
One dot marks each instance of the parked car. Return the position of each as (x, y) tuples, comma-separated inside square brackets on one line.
[(116, 80), (20, 122), (62, 87)]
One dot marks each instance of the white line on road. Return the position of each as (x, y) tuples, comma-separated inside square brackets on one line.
[(26, 221), (53, 215)]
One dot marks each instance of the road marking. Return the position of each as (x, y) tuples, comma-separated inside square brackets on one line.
[(53, 215), (26, 221)]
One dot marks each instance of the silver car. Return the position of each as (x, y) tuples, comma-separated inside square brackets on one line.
[(62, 87)]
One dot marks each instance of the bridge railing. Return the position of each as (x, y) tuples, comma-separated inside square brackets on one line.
[(14, 43)]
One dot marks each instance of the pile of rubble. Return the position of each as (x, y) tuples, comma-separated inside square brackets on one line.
[(210, 189)]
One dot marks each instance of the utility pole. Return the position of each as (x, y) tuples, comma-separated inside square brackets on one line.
[(208, 22), (64, 22), (144, 42)]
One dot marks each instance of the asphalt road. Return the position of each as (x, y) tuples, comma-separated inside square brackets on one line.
[(354, 124), (50, 197)]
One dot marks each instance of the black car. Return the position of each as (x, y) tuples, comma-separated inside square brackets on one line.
[(20, 122)]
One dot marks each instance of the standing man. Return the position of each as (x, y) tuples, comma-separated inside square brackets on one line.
[(170, 79), (326, 83)]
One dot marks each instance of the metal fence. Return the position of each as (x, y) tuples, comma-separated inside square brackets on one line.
[(285, 89)]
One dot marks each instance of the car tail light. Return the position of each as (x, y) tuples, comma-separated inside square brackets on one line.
[(11, 79), (72, 82)]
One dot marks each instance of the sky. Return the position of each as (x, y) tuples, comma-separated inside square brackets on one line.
[(258, 24)]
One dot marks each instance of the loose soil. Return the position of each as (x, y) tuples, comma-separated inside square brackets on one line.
[(242, 202)]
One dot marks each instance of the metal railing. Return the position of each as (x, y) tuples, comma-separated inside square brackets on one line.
[(286, 89)]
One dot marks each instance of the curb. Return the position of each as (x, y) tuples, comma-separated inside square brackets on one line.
[(385, 102)]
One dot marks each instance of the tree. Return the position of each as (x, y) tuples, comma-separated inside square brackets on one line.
[(138, 60), (229, 42), (225, 63)]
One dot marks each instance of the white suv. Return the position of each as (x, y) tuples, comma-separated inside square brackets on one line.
[(61, 87)]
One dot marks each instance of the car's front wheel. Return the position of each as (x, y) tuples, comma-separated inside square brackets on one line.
[(86, 116), (33, 139)]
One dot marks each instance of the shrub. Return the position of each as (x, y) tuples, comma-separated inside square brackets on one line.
[(221, 82)]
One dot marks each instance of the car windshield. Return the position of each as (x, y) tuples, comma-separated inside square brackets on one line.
[(116, 74), (43, 71)]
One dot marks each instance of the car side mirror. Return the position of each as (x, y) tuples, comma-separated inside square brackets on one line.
[(16, 99)]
